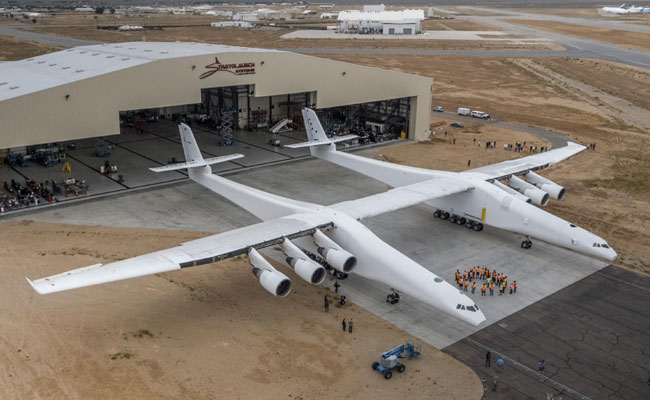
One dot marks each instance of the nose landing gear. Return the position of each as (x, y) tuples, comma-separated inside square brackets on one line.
[(527, 244)]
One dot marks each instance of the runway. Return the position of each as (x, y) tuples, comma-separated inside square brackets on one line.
[(594, 337)]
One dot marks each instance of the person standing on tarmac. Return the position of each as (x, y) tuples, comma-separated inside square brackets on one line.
[(483, 289), (473, 287), (343, 324), (492, 289), (466, 284)]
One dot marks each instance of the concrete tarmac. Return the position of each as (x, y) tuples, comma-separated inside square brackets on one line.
[(594, 337)]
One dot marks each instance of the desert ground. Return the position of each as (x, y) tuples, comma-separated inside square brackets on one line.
[(12, 49), (203, 333), (636, 40)]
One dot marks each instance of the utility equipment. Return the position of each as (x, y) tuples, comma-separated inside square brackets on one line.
[(389, 359)]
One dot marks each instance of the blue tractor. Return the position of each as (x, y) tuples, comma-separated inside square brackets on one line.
[(389, 359)]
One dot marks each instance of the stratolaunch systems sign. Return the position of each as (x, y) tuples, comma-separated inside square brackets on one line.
[(237, 69)]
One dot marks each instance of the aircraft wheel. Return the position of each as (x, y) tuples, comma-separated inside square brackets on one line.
[(388, 375), (478, 227), (375, 365), (469, 225), (453, 219), (401, 368), (445, 216), (462, 221), (437, 214)]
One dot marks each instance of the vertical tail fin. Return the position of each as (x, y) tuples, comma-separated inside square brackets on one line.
[(312, 125), (190, 148), (316, 134)]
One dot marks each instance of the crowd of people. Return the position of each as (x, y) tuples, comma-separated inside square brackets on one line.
[(489, 280)]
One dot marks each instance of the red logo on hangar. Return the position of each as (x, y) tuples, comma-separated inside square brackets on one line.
[(237, 69)]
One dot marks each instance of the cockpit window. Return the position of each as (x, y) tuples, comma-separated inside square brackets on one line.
[(476, 306), (605, 246), (572, 226), (596, 245), (458, 307), (471, 308)]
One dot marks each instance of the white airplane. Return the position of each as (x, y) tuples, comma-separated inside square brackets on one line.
[(488, 201), (623, 9), (329, 234)]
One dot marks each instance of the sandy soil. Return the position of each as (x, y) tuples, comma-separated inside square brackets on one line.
[(441, 153), (12, 49), (630, 39), (200, 333), (608, 189), (625, 82)]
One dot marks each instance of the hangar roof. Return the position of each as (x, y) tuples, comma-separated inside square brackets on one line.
[(62, 67)]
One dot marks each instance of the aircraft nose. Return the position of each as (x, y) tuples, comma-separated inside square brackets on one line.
[(611, 255)]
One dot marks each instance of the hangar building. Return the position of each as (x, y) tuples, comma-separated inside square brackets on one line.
[(82, 92)]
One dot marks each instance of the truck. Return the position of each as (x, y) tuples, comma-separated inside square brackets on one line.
[(464, 111), (480, 114)]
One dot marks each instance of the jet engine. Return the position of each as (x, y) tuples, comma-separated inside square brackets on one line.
[(274, 281), (305, 268), (554, 190), (538, 196), (335, 256), (512, 192)]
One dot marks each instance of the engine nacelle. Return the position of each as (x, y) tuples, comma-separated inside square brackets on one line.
[(512, 192), (335, 256), (553, 189), (538, 196), (305, 268), (274, 281)]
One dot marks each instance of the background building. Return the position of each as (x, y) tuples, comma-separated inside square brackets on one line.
[(406, 22)]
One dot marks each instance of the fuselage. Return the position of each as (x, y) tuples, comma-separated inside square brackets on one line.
[(378, 261), (495, 207)]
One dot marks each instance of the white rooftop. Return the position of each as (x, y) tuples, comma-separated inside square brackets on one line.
[(22, 77), (381, 16)]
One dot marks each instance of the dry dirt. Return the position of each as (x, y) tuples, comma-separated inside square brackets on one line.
[(630, 39), (12, 49), (441, 153), (200, 333), (608, 189)]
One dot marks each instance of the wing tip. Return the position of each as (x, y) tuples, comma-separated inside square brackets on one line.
[(33, 285)]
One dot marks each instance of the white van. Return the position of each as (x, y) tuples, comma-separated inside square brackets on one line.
[(463, 111), (480, 114)]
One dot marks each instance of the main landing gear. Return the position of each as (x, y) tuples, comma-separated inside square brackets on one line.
[(458, 220), (527, 244)]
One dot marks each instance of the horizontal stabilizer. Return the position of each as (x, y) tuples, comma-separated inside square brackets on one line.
[(321, 142), (198, 163)]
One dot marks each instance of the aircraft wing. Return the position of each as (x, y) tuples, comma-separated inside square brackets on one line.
[(401, 197), (531, 163), (196, 252)]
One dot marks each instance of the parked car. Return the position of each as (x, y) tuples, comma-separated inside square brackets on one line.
[(438, 109), (457, 125)]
